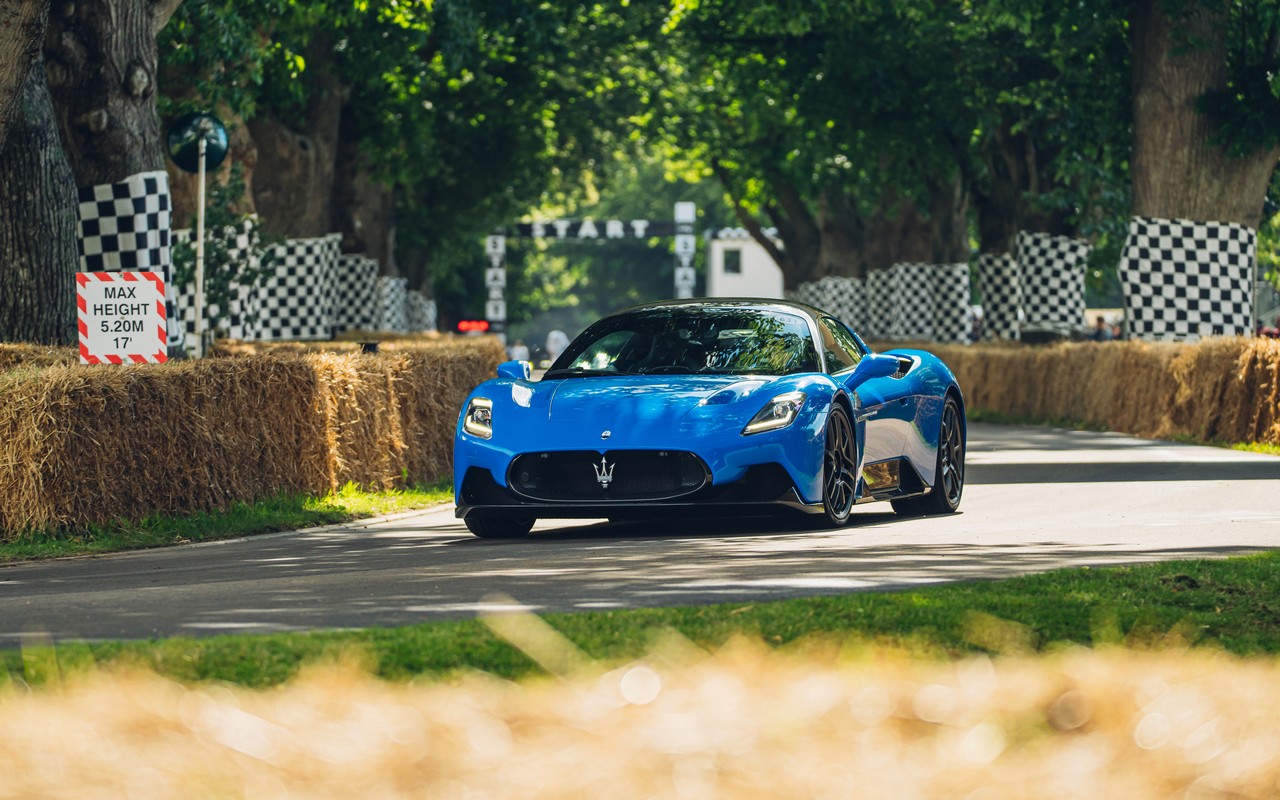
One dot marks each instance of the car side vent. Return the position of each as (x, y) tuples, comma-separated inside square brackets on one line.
[(904, 366)]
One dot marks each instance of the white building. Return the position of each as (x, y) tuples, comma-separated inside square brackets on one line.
[(737, 266)]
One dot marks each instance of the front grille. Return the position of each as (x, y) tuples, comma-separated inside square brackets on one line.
[(580, 475)]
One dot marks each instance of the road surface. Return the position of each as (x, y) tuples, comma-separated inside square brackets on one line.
[(1036, 499)]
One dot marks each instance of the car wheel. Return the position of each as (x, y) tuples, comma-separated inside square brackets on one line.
[(839, 468), (500, 527), (948, 476)]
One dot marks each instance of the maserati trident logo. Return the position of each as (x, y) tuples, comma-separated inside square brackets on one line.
[(604, 473)]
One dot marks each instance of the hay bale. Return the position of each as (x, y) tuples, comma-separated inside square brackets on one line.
[(35, 356), (1224, 389), (740, 723), (86, 444)]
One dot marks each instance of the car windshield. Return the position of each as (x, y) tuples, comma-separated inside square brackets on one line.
[(678, 340)]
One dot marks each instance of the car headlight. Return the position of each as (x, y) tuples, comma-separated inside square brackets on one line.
[(780, 412), (478, 421)]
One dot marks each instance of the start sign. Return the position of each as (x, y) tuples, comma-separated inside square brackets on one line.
[(121, 317)]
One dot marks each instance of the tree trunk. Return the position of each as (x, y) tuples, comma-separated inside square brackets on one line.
[(20, 37), (1178, 173), (37, 224), (364, 209), (1016, 169), (102, 67), (294, 179)]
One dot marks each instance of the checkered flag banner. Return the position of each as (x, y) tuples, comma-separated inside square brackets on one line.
[(1185, 280), (998, 276), (952, 310), (880, 305), (126, 226), (296, 296), (391, 299), (235, 322), (1052, 271), (912, 301), (355, 287)]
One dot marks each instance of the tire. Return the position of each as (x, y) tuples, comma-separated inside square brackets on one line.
[(500, 527), (839, 469), (948, 474)]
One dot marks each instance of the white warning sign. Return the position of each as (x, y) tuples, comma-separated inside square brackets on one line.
[(121, 316)]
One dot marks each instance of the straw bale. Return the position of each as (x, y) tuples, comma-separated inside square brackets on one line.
[(34, 356), (348, 342), (1223, 389), (742, 723), (86, 444)]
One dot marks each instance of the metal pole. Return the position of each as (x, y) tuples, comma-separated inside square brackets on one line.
[(200, 255)]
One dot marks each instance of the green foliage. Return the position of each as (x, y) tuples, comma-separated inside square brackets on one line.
[(1247, 109), (237, 255)]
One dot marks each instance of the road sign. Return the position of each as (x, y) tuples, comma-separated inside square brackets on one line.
[(121, 317)]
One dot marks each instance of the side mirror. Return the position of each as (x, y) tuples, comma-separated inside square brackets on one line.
[(515, 370), (871, 366)]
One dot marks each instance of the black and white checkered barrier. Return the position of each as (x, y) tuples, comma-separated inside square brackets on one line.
[(913, 301), (952, 306), (1052, 271), (355, 301), (846, 298), (1185, 280), (126, 226), (881, 305), (392, 299), (1001, 283), (295, 297), (420, 312), (241, 320)]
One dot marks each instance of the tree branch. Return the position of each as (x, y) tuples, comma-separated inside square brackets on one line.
[(161, 12)]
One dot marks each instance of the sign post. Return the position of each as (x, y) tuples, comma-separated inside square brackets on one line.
[(686, 246), (495, 280), (197, 143)]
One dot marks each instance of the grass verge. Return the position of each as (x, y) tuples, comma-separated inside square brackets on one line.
[(280, 513), (1231, 603)]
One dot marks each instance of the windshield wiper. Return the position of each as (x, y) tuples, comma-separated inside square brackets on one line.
[(582, 372)]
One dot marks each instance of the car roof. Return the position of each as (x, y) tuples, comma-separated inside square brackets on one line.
[(757, 303)]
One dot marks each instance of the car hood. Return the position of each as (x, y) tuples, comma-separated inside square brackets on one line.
[(644, 398)]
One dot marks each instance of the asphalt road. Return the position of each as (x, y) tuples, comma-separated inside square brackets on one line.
[(1036, 499)]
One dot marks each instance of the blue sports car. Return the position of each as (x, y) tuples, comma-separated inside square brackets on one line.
[(710, 406)]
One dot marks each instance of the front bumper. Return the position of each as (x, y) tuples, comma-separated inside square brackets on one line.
[(764, 488)]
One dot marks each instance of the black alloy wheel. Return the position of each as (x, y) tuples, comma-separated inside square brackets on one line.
[(500, 527), (948, 478), (839, 468)]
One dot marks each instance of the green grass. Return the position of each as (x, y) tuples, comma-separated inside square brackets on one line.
[(1233, 603), (280, 513)]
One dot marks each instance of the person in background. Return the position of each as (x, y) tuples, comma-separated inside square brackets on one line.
[(557, 341), (518, 351), (1101, 330)]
